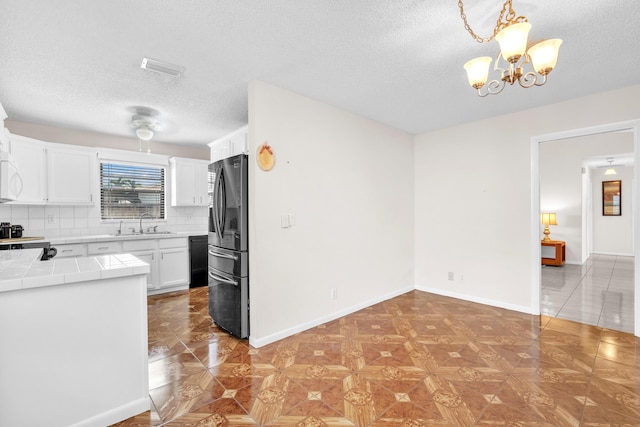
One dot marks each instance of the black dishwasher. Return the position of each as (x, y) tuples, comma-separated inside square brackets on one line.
[(197, 261)]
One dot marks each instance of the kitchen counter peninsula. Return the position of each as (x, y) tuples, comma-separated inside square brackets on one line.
[(74, 339)]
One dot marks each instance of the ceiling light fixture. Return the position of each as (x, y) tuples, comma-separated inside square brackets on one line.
[(145, 126), (610, 170), (511, 33)]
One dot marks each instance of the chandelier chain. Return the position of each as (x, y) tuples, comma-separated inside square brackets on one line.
[(507, 17)]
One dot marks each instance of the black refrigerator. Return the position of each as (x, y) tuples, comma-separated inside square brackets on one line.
[(228, 257)]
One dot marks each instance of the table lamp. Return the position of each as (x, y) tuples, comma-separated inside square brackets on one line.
[(547, 219)]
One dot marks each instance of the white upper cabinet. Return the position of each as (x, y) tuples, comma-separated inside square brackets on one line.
[(231, 145), (188, 182), (71, 175), (54, 174), (30, 158)]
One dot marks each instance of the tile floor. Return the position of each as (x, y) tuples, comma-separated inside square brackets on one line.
[(600, 292), (416, 360)]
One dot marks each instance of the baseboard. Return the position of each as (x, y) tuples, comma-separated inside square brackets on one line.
[(168, 290), (260, 342), (472, 298), (610, 253), (116, 415)]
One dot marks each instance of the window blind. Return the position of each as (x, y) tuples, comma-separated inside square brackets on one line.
[(128, 191)]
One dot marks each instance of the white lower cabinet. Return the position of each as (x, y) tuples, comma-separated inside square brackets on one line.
[(146, 250), (71, 251), (102, 248), (168, 259), (150, 258), (174, 266)]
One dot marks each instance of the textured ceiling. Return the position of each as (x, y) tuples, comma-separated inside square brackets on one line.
[(76, 63)]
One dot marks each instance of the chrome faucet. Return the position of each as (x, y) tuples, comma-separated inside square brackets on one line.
[(142, 215)]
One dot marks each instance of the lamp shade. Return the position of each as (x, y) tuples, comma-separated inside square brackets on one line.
[(513, 41), (544, 55), (548, 218), (478, 71), (610, 171), (144, 133)]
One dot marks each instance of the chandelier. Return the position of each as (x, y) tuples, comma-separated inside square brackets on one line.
[(511, 33)]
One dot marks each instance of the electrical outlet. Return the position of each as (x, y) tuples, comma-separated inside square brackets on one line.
[(450, 275)]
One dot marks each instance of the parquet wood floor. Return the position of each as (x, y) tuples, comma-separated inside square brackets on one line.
[(416, 360)]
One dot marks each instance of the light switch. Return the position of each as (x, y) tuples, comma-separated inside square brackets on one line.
[(292, 220), (284, 221)]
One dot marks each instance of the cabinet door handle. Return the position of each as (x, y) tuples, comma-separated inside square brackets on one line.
[(103, 248), (67, 250), (152, 256)]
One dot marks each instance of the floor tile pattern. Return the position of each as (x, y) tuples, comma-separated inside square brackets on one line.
[(600, 292), (416, 360)]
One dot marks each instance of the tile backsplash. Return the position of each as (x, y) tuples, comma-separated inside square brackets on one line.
[(60, 221)]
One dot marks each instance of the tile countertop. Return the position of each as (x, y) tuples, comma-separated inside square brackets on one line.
[(111, 237), (22, 269), (107, 237)]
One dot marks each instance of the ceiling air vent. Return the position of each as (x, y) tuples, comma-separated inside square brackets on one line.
[(162, 67)]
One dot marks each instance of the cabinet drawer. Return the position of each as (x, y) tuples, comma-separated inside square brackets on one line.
[(104, 248), (138, 245), (176, 242), (68, 251)]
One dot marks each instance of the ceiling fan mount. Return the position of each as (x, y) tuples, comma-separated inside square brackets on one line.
[(144, 123)]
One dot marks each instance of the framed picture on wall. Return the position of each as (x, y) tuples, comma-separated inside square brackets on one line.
[(611, 198)]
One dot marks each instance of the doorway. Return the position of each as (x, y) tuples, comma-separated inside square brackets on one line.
[(632, 127)]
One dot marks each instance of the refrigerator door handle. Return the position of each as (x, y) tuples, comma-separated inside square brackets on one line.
[(223, 216), (219, 255), (216, 207), (222, 279)]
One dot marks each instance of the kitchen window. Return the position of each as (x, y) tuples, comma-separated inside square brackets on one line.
[(128, 191)]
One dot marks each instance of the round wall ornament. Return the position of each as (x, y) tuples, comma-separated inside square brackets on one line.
[(265, 157)]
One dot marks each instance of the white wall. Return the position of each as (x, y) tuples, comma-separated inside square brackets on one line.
[(473, 197), (349, 183), (561, 183), (613, 234)]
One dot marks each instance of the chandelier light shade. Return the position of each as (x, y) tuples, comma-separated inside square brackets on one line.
[(513, 41), (544, 55), (478, 71), (512, 35)]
